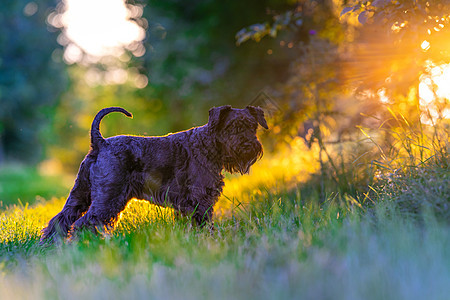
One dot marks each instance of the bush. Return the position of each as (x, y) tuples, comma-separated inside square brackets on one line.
[(420, 189)]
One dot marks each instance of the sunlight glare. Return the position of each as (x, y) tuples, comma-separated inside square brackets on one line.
[(382, 96), (425, 45), (438, 82), (101, 27), (435, 86)]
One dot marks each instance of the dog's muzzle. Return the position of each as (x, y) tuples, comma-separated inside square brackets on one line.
[(241, 157)]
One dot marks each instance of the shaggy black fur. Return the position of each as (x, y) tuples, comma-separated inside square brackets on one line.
[(183, 170)]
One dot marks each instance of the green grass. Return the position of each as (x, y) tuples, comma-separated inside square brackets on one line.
[(276, 248), (22, 184)]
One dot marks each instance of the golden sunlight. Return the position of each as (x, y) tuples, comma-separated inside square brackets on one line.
[(99, 28), (434, 88), (425, 45), (293, 164)]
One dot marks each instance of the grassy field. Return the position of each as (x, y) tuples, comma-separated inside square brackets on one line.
[(278, 249), (270, 242)]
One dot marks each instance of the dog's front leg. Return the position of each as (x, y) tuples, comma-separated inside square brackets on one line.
[(203, 215), (199, 214)]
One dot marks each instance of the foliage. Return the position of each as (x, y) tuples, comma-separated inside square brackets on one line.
[(347, 76), (391, 27), (256, 32), (192, 62), (318, 104), (31, 78)]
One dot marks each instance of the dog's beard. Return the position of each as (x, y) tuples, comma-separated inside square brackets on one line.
[(241, 158)]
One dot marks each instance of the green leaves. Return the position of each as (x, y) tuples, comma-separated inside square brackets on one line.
[(288, 20), (255, 32), (363, 16), (364, 12), (347, 9)]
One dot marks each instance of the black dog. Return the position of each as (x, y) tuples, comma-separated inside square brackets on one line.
[(183, 170)]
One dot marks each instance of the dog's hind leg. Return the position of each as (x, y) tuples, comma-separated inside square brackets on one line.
[(76, 205), (101, 216), (110, 189)]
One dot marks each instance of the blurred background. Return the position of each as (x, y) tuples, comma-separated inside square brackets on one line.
[(349, 87)]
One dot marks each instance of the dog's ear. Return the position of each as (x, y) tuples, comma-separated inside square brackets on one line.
[(258, 114), (217, 114)]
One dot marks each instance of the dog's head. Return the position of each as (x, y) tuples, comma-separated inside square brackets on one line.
[(235, 133)]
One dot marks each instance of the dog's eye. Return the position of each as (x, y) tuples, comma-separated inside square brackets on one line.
[(241, 128)]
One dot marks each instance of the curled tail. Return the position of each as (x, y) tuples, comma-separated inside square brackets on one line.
[(96, 136)]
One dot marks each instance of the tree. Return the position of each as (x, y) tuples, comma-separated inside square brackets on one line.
[(352, 62), (192, 61), (31, 78)]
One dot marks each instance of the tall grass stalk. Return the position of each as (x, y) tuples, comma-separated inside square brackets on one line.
[(414, 169)]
